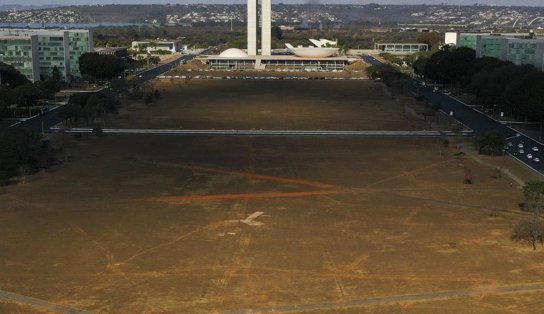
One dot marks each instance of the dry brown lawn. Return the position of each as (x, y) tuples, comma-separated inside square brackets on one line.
[(265, 104), (151, 224)]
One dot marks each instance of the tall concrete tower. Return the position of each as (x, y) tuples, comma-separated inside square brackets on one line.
[(266, 27), (252, 27)]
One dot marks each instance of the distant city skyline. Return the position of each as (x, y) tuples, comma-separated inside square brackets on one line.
[(453, 2)]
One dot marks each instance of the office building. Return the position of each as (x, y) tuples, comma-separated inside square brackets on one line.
[(517, 48), (21, 53), (58, 49), (158, 46)]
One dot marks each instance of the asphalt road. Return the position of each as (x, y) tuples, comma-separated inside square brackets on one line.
[(371, 60), (481, 123), (42, 123)]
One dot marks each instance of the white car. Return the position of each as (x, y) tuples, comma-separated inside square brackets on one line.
[(510, 144), (535, 149), (520, 145), (536, 159), (530, 156), (521, 151)]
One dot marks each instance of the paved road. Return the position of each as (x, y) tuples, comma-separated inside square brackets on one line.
[(332, 307), (371, 60), (41, 304), (481, 123), (43, 123), (263, 132)]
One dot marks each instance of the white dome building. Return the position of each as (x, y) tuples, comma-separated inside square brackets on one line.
[(233, 53), (320, 50)]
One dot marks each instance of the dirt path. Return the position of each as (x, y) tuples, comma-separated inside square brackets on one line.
[(472, 155), (383, 300), (41, 304)]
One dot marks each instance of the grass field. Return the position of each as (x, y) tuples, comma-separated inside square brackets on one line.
[(156, 224), (277, 105)]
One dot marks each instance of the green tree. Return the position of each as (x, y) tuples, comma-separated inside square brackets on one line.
[(491, 143), (534, 195), (98, 67), (11, 77), (277, 32), (21, 148)]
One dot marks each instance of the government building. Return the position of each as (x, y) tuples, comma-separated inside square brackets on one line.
[(36, 52), (517, 48)]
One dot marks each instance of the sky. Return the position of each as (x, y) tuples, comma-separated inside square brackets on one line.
[(453, 2)]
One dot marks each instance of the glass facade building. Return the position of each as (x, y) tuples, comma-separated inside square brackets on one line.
[(519, 49), (81, 41), (491, 46), (56, 49), (22, 54)]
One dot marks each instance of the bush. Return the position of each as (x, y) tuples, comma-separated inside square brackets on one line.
[(98, 131)]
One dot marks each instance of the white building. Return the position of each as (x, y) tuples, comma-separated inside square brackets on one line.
[(253, 24), (171, 46)]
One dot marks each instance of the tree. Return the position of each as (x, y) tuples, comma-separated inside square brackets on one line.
[(429, 38), (534, 195), (11, 77), (22, 149), (529, 230), (277, 32), (97, 67), (491, 143)]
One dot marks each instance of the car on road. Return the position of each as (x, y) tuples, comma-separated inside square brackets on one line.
[(536, 159), (520, 145), (521, 151), (535, 149), (510, 144), (530, 156)]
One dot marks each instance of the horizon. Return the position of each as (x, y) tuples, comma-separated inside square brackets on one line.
[(534, 3)]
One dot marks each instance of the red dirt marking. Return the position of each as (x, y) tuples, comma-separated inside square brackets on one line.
[(261, 176), (246, 196)]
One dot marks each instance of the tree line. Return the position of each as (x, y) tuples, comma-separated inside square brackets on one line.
[(17, 93), (23, 152), (516, 90)]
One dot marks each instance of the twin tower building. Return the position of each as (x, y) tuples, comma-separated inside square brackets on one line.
[(253, 25)]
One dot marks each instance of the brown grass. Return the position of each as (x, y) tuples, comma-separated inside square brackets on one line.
[(100, 232)]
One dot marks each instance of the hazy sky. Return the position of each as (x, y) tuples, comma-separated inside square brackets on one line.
[(455, 2)]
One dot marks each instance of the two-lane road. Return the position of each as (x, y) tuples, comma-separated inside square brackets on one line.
[(43, 122)]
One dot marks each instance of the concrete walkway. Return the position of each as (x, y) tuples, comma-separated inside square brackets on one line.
[(40, 304), (331, 307), (263, 132)]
